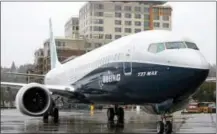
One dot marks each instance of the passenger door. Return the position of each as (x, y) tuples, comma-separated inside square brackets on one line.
[(127, 64)]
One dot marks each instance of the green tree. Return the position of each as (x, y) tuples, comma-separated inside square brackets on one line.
[(206, 92)]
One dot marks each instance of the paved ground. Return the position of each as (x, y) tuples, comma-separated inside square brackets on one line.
[(82, 122)]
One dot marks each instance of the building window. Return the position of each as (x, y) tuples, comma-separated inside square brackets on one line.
[(108, 36), (117, 8), (137, 23), (146, 9), (88, 45), (127, 30), (98, 6), (98, 45), (98, 13), (100, 36), (167, 11), (63, 44), (97, 28), (117, 36), (117, 22), (137, 9), (137, 30), (146, 17), (127, 8), (155, 10), (165, 18), (118, 15), (156, 17), (165, 25), (146, 24), (128, 23), (117, 29), (156, 24), (77, 28), (138, 16), (58, 43), (127, 15), (98, 21)]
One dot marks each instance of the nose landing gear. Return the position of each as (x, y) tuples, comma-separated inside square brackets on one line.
[(118, 111), (165, 125)]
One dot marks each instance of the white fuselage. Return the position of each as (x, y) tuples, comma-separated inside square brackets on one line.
[(132, 48)]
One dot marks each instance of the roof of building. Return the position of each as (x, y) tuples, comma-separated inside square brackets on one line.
[(163, 5), (154, 2), (64, 38), (72, 17)]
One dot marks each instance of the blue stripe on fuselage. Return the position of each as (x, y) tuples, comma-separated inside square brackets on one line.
[(146, 83)]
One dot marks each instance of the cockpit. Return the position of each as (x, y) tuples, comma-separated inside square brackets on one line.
[(159, 47)]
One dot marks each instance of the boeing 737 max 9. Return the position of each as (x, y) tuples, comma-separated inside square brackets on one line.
[(157, 69)]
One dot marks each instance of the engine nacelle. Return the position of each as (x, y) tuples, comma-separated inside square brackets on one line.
[(33, 99)]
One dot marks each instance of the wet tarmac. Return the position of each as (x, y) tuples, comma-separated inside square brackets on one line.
[(85, 122)]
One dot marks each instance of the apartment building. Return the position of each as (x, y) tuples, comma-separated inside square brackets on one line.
[(103, 22), (38, 65), (67, 49), (72, 28), (160, 16)]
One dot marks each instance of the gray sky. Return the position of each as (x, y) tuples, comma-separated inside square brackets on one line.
[(24, 26)]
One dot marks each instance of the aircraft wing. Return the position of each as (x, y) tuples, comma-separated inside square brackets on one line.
[(26, 74), (66, 91)]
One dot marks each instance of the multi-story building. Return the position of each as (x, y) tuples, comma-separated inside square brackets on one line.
[(67, 48), (38, 62), (72, 28), (38, 65), (102, 22), (160, 17)]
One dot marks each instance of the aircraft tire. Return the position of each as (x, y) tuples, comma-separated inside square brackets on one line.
[(110, 114), (160, 127), (168, 127), (120, 114), (45, 117), (55, 114)]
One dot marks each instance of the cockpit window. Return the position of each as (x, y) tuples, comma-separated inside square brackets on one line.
[(160, 47), (175, 45), (191, 45), (156, 47), (153, 48)]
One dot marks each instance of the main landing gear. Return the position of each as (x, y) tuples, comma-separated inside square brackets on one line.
[(165, 125), (54, 112), (118, 111)]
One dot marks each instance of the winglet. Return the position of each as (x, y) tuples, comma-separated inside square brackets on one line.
[(53, 51)]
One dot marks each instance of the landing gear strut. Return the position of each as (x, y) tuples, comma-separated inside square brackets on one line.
[(165, 125), (118, 111), (54, 112)]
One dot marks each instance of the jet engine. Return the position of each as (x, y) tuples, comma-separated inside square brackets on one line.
[(33, 99)]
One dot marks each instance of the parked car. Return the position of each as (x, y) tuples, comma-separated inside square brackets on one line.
[(193, 108), (212, 108)]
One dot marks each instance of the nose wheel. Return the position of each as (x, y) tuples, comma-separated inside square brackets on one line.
[(116, 111), (165, 125)]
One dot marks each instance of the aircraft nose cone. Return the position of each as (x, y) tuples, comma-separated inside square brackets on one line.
[(198, 60), (193, 58)]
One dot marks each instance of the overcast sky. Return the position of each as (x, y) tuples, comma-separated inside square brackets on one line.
[(24, 26)]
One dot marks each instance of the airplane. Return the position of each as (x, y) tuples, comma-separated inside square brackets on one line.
[(157, 69)]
